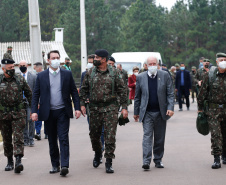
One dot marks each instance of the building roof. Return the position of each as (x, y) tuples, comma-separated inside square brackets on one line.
[(22, 51)]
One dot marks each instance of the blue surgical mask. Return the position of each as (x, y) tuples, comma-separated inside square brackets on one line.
[(182, 68)]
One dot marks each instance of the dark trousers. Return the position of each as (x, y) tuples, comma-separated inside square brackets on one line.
[(182, 92), (57, 126)]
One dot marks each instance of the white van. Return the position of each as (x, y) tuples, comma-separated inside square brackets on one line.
[(130, 59)]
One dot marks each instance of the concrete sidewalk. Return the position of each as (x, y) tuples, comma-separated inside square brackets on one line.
[(187, 158)]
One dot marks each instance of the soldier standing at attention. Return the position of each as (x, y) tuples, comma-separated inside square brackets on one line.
[(8, 54), (104, 84), (213, 90), (12, 113), (193, 83), (202, 72)]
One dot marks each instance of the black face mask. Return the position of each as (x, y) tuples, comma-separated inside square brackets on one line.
[(67, 63), (10, 72), (23, 69), (9, 51), (96, 62), (206, 66), (193, 72)]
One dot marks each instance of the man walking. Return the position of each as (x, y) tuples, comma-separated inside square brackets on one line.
[(153, 105), (12, 114), (54, 88), (29, 129), (103, 84)]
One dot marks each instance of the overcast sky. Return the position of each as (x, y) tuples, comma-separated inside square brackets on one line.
[(166, 3)]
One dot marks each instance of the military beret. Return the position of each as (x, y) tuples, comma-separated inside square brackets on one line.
[(101, 53), (206, 60), (9, 47), (193, 67), (177, 65), (7, 61), (135, 68), (66, 58), (111, 59), (164, 65), (38, 64), (218, 55)]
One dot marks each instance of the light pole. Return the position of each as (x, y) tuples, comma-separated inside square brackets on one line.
[(83, 36)]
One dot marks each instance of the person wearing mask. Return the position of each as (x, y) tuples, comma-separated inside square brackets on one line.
[(29, 130), (193, 81), (67, 64), (153, 106), (202, 72), (201, 62), (54, 89), (8, 54), (132, 83), (183, 85), (177, 67), (111, 61)]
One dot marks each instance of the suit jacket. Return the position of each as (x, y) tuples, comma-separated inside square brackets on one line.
[(187, 82), (42, 91), (31, 78), (165, 93)]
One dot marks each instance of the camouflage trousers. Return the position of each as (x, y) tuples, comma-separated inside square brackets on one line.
[(193, 92), (13, 127), (109, 120), (217, 126)]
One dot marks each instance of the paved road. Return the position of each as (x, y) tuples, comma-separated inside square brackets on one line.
[(187, 158)]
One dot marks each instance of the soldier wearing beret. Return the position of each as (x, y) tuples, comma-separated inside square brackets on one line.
[(202, 72), (193, 83), (67, 64), (103, 84), (12, 113), (111, 61), (213, 91), (8, 54)]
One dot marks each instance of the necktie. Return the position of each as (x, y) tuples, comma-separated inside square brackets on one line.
[(152, 76), (54, 73), (23, 91)]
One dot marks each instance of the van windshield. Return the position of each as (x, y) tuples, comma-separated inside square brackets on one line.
[(128, 66)]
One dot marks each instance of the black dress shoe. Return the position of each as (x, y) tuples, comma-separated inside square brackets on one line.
[(54, 170), (38, 137), (159, 165), (64, 171), (146, 166)]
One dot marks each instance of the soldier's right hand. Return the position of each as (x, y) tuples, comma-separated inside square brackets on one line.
[(83, 110), (34, 117)]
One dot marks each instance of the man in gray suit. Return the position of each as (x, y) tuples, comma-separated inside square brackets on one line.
[(30, 127), (153, 105)]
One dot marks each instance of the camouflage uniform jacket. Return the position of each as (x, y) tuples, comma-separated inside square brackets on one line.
[(101, 92), (193, 81), (215, 93), (200, 75), (44, 63), (11, 95), (7, 56), (173, 75)]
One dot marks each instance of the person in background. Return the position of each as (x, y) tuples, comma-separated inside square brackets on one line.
[(44, 60), (145, 68), (111, 61), (67, 64), (132, 83), (193, 86), (123, 73), (202, 72), (8, 54), (177, 67), (201, 62)]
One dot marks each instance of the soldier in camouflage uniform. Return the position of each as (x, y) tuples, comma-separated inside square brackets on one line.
[(44, 60), (12, 113), (213, 90), (103, 83), (67, 64), (8, 54), (202, 72), (173, 76), (193, 83)]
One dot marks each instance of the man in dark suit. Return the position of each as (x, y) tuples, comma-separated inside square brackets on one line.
[(183, 85), (153, 105), (55, 87)]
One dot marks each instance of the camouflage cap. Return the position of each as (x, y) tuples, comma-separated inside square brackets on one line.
[(206, 60), (101, 53), (67, 58), (218, 55), (177, 65), (9, 47), (111, 59), (7, 61), (193, 67)]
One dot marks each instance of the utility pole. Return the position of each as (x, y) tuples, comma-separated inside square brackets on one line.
[(35, 33), (83, 36)]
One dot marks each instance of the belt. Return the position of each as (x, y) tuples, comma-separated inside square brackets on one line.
[(217, 106), (102, 104), (9, 109)]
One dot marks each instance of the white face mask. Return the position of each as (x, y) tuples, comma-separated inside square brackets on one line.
[(222, 64), (152, 69), (89, 65), (135, 74), (55, 63)]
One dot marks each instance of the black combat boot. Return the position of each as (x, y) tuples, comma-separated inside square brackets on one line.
[(18, 166), (108, 166), (10, 164), (216, 163), (96, 160)]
